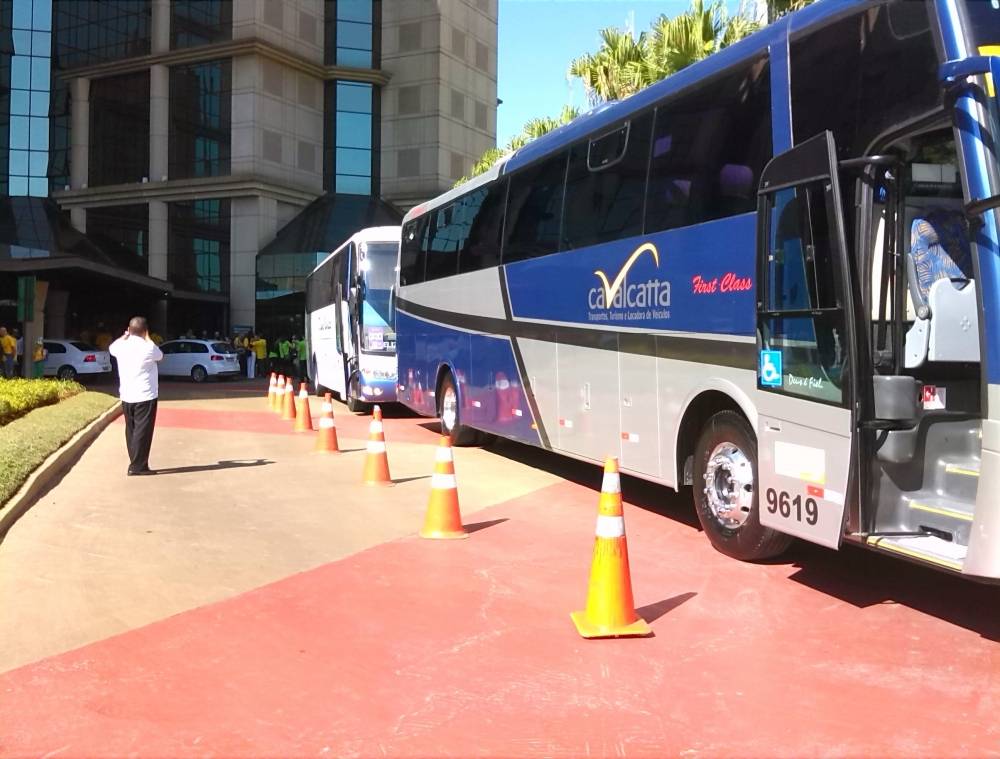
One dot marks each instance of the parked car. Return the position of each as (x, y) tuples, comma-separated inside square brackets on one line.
[(198, 359), (68, 358)]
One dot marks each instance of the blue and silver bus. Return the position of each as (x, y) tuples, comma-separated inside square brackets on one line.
[(349, 320), (772, 277)]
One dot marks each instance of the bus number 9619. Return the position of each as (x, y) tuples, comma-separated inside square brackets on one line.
[(781, 502)]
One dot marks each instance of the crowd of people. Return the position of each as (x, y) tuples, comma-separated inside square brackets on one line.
[(257, 354), (12, 355)]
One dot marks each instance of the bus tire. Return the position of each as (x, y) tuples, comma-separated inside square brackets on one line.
[(354, 404), (451, 415), (725, 490)]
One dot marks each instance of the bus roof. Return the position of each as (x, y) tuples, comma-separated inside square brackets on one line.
[(369, 234), (609, 114), (455, 192)]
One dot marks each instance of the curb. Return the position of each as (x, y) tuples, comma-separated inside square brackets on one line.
[(52, 468)]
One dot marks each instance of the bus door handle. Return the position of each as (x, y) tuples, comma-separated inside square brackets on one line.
[(772, 426)]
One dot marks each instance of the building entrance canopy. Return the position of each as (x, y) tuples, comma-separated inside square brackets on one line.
[(37, 238)]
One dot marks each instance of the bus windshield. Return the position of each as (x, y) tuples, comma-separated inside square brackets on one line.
[(379, 267), (984, 26)]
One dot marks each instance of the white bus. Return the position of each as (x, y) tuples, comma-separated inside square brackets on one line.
[(350, 328), (773, 277)]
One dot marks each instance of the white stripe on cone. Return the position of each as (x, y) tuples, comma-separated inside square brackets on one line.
[(303, 393), (443, 481), (325, 423), (376, 446), (610, 527), (612, 483), (327, 407), (443, 454), (375, 428)]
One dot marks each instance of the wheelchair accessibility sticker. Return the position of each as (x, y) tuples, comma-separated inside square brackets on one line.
[(769, 370)]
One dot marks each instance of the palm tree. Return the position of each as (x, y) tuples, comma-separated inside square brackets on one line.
[(612, 73), (534, 128), (675, 43)]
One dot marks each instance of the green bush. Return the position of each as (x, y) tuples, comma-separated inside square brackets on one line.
[(19, 396)]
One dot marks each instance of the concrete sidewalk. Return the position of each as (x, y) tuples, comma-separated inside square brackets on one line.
[(241, 501)]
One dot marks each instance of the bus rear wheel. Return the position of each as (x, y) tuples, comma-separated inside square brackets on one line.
[(725, 490), (450, 414)]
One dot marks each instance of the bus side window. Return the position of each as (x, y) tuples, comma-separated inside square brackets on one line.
[(604, 199), (482, 246), (444, 232), (534, 210), (411, 259), (709, 149)]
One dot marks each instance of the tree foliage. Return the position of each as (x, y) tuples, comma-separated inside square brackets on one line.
[(623, 64)]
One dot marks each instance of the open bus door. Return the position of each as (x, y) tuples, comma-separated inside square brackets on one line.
[(806, 347)]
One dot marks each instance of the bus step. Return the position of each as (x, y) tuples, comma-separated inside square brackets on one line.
[(958, 478), (929, 549), (942, 515)]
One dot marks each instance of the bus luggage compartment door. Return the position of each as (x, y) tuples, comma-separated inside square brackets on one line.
[(589, 422)]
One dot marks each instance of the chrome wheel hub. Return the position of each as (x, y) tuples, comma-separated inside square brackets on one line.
[(729, 485), (449, 408)]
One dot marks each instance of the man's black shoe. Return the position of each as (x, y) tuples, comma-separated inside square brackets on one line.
[(142, 472)]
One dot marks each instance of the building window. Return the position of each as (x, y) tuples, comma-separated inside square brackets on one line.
[(95, 32), (349, 161), (200, 110), (119, 129), (200, 22), (352, 31), (123, 232), (198, 258), (30, 60)]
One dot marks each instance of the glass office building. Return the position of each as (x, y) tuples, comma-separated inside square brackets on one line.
[(194, 159)]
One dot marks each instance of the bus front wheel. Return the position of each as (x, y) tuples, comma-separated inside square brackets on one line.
[(354, 404), (450, 414), (725, 490)]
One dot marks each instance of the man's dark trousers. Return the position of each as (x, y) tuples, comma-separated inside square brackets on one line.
[(139, 421)]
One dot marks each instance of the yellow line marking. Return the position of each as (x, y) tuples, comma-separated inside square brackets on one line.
[(873, 540), (952, 469), (954, 513)]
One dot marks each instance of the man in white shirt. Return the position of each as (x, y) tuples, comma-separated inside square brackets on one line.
[(138, 389)]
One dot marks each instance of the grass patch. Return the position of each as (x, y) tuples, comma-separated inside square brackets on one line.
[(26, 442), (19, 396)]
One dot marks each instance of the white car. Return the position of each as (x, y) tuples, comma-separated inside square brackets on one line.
[(198, 359), (68, 358)]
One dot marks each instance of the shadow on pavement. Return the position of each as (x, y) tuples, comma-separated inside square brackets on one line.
[(239, 464), (652, 612), (401, 480), (477, 526)]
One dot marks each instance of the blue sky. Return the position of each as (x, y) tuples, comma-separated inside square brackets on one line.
[(539, 38)]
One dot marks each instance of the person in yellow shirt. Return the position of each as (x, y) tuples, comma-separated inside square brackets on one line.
[(257, 353), (38, 356), (103, 339), (8, 351), (155, 338)]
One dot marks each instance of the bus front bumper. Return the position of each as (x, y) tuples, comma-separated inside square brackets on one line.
[(378, 390)]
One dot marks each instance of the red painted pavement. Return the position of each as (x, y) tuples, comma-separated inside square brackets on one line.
[(465, 648), (407, 430)]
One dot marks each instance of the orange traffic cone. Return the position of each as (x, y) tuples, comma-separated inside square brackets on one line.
[(288, 402), (443, 520), (326, 440), (279, 394), (376, 462), (303, 417), (610, 611), (272, 386)]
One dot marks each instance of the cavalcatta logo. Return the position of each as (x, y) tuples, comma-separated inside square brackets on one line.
[(652, 294)]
